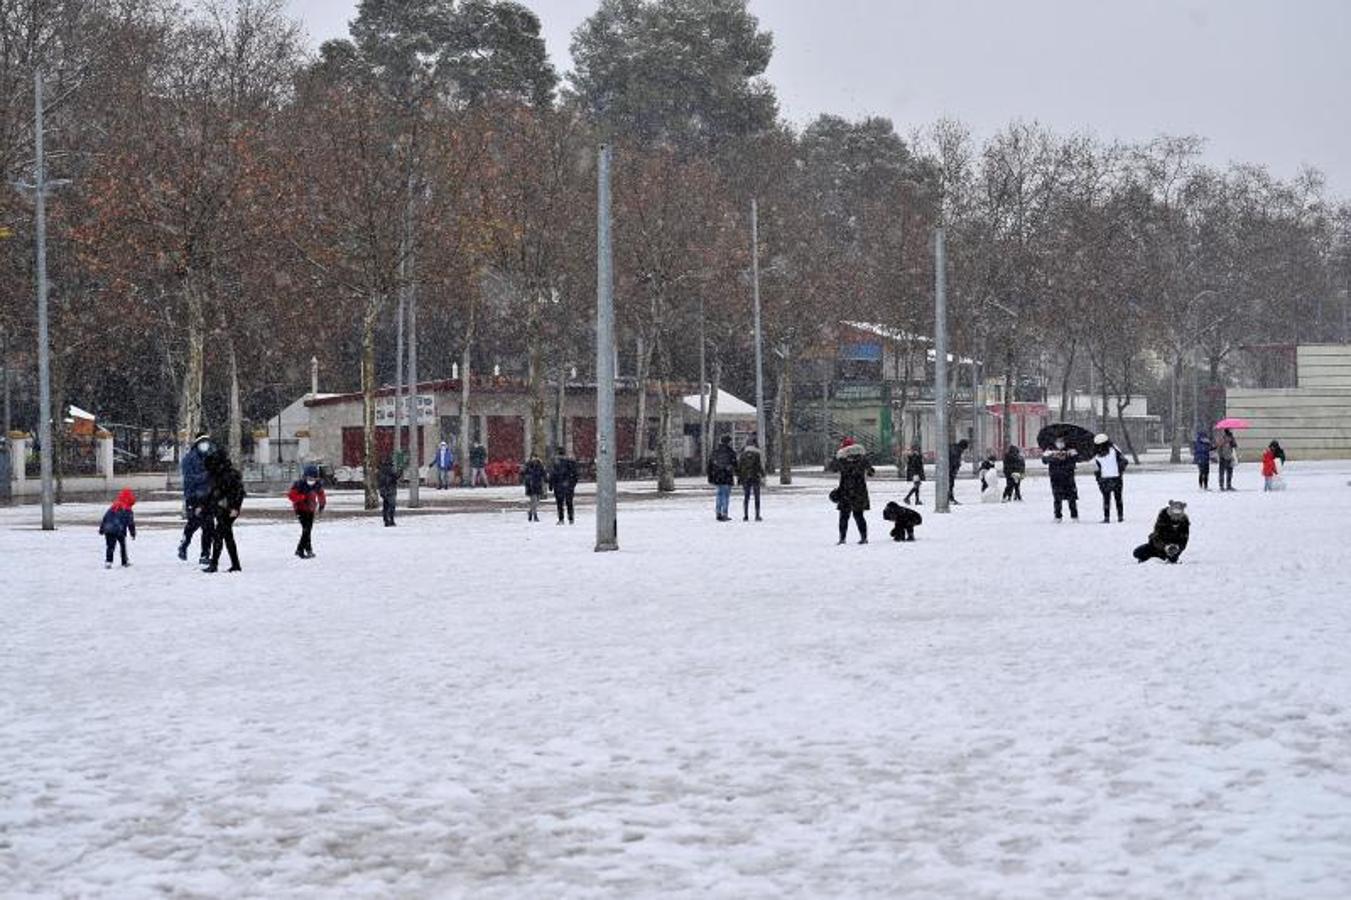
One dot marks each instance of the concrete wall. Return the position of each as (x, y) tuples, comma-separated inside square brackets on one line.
[(1310, 423), (1324, 366)]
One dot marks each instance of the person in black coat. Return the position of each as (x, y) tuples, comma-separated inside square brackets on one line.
[(914, 473), (563, 480), (534, 477), (1015, 467), (750, 472), (1169, 538), (387, 484), (851, 497), (955, 454), (722, 475), (227, 498), (196, 490), (1061, 461)]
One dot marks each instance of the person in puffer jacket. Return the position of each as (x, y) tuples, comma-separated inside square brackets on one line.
[(118, 522), (308, 500)]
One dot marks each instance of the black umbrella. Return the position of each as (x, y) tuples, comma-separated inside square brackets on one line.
[(1074, 436)]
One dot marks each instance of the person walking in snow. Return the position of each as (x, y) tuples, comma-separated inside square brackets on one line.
[(478, 462), (750, 471), (1169, 538), (534, 476), (1201, 448), (118, 522), (1227, 451), (914, 473), (955, 454), (445, 464), (1061, 461), (851, 497), (1015, 467), (196, 491), (308, 500), (387, 485), (722, 475), (563, 480), (226, 500), (1109, 469)]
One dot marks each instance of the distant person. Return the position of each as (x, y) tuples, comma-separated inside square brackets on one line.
[(1109, 467), (118, 522), (563, 480), (1227, 451), (478, 462), (387, 485), (722, 475), (196, 491), (307, 500), (535, 477), (1015, 467), (445, 464), (1169, 537), (750, 471), (914, 473), (851, 497), (1061, 462), (1201, 450), (1271, 466), (226, 500), (955, 454)]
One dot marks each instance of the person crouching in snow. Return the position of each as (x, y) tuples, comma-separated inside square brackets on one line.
[(905, 518), (851, 497), (1109, 467), (118, 522), (1169, 537), (307, 499)]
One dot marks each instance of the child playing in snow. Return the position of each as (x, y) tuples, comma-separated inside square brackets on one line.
[(307, 499), (1271, 466), (118, 522)]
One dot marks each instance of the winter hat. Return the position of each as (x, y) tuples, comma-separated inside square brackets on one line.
[(726, 439), (125, 500), (847, 442), (443, 443), (1176, 508), (1100, 439), (311, 471)]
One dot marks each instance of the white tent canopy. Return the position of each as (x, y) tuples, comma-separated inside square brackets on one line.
[(730, 408)]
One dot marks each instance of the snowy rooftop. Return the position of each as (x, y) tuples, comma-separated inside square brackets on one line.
[(729, 406)]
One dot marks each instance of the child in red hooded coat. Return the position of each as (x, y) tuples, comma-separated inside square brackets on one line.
[(118, 522)]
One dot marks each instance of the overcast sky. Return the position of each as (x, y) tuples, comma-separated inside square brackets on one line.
[(1265, 81)]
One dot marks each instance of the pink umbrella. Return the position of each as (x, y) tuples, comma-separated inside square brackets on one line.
[(1232, 424)]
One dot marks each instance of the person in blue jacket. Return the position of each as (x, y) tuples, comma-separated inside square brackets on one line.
[(197, 484), (445, 464), (118, 522), (1201, 456)]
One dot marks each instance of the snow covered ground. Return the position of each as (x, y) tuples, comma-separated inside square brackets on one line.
[(470, 705)]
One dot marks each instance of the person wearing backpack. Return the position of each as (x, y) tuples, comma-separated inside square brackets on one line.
[(118, 522)]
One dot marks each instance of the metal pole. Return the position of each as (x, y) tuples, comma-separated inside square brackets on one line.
[(755, 295), (606, 526), (44, 349), (4, 363), (703, 381), (941, 370)]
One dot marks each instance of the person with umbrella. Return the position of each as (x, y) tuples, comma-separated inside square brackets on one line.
[(1109, 467), (1227, 451), (851, 497), (1061, 460)]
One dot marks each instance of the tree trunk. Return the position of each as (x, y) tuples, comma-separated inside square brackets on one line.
[(640, 424), (898, 414), (1065, 379), (368, 460), (785, 418), (1121, 404), (710, 423), (665, 469), (235, 441), (535, 356), (190, 403), (559, 419), (1010, 378), (466, 358), (1175, 444)]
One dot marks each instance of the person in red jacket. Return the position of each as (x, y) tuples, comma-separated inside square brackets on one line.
[(307, 498), (1270, 466)]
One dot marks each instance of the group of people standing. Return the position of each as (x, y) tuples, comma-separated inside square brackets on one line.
[(726, 468), (213, 494), (1224, 450)]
